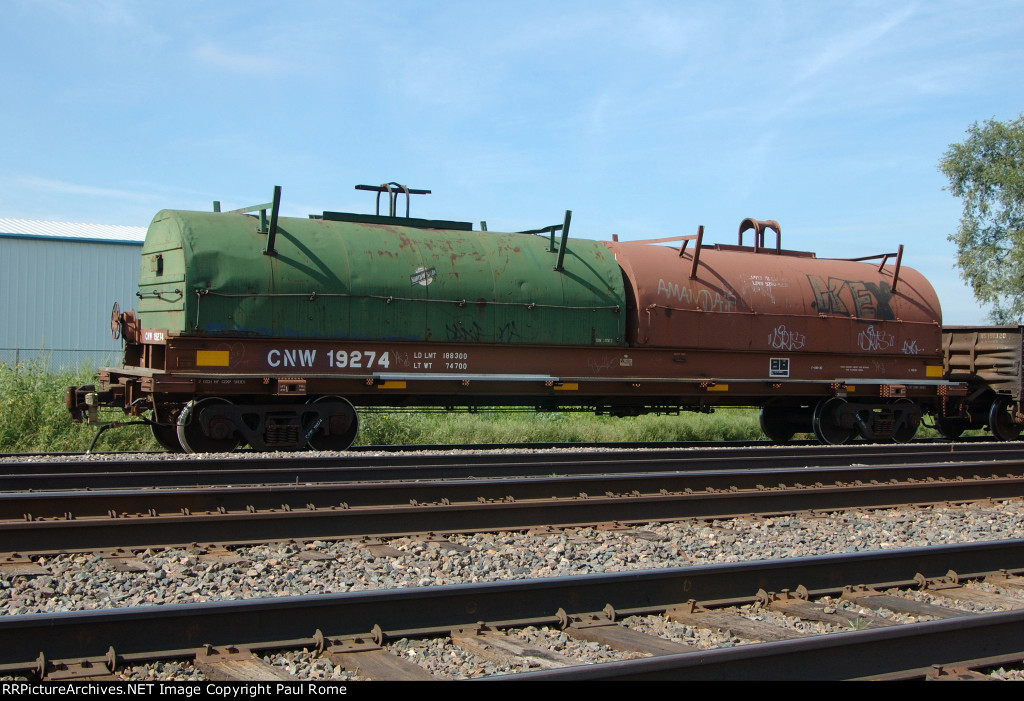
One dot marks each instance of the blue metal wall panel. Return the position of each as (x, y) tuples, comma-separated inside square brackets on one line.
[(56, 296)]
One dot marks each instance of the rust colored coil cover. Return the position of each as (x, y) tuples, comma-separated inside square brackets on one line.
[(765, 301)]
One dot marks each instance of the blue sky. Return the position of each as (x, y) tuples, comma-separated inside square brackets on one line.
[(646, 119)]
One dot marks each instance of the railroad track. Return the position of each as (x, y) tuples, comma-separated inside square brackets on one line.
[(548, 445), (445, 447), (47, 522), (865, 595), (62, 474), (631, 483)]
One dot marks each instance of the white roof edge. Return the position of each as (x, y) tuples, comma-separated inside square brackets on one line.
[(67, 230)]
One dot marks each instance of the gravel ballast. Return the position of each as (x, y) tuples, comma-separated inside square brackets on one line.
[(88, 581)]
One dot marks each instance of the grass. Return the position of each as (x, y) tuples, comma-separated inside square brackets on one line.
[(33, 419), (520, 427)]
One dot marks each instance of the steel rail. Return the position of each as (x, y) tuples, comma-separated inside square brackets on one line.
[(542, 445), (157, 632), (342, 521), (86, 504), (444, 447), (836, 656), (23, 476)]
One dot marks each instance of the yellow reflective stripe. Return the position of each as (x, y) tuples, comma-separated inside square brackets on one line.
[(213, 358), (571, 386), (392, 384), (718, 388), (933, 370)]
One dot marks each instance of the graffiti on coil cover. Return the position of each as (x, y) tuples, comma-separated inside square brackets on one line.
[(856, 298), (708, 300), (872, 339), (782, 338), (473, 332)]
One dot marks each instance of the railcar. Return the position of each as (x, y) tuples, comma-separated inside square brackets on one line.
[(988, 359), (274, 332)]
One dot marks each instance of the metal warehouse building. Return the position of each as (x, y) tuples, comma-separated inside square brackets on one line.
[(58, 282)]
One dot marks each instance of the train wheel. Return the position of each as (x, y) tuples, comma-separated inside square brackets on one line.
[(1001, 421), (342, 426), (905, 433), (193, 439), (167, 436), (826, 425), (774, 420), (950, 428)]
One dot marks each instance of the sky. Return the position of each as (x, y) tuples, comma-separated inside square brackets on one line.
[(646, 119)]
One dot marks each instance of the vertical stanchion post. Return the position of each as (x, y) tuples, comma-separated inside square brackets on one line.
[(565, 239)]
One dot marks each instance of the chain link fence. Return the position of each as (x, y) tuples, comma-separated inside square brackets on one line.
[(59, 359)]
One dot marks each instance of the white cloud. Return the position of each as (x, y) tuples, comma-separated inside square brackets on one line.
[(237, 61), (65, 188), (849, 44), (666, 33)]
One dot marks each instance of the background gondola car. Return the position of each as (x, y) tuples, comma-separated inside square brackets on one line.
[(988, 360)]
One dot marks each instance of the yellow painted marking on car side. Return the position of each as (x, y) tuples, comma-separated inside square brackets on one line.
[(218, 358)]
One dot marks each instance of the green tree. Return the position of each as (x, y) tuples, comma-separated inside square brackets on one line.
[(987, 172)]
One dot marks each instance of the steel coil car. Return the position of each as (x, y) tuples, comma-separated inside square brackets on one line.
[(257, 329)]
